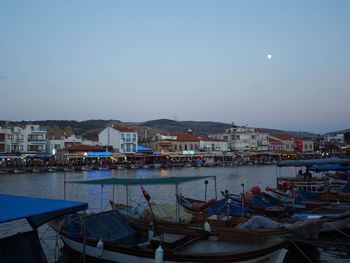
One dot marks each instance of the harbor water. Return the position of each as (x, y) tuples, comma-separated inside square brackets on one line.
[(234, 179)]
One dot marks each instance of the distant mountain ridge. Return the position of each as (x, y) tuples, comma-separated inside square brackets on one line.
[(198, 127), (91, 128)]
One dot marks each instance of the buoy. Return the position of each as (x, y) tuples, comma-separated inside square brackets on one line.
[(158, 258), (99, 248), (207, 227)]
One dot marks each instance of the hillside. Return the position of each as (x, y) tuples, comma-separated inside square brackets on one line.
[(88, 129), (199, 127)]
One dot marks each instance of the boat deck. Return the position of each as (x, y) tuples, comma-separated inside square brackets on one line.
[(204, 246)]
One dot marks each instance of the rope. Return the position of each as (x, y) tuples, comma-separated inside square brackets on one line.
[(348, 236), (308, 259)]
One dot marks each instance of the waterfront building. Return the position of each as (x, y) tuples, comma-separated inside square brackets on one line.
[(30, 139), (175, 142), (336, 138), (119, 139), (289, 143), (240, 138), (66, 141), (82, 152), (209, 144)]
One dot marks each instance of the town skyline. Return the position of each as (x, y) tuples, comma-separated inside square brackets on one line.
[(273, 64), (158, 121)]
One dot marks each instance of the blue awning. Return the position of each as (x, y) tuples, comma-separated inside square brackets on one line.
[(141, 148), (312, 162), (37, 211), (330, 167)]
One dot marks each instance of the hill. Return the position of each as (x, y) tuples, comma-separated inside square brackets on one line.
[(199, 127)]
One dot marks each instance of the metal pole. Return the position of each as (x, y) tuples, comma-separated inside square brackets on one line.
[(101, 197), (113, 193), (205, 191), (243, 201), (64, 185), (216, 191), (127, 197), (177, 203)]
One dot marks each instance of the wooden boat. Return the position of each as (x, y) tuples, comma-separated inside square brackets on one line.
[(333, 218), (199, 222), (109, 236)]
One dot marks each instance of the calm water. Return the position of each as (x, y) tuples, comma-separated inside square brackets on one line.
[(51, 185)]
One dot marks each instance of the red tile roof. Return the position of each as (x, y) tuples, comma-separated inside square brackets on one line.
[(84, 148), (182, 136), (124, 129), (272, 141), (286, 137), (210, 139)]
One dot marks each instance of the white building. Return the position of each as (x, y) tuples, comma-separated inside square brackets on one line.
[(337, 137), (289, 143), (209, 144), (121, 139), (64, 142), (240, 138), (30, 139)]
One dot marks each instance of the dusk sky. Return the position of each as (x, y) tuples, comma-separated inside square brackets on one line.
[(188, 60)]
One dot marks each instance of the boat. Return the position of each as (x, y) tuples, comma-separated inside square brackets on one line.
[(306, 181), (86, 168), (25, 246), (170, 220), (109, 236), (103, 168), (39, 170), (17, 171), (333, 218)]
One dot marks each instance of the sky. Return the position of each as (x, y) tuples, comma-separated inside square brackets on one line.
[(184, 60)]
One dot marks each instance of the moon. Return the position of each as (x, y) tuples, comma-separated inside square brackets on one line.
[(269, 56)]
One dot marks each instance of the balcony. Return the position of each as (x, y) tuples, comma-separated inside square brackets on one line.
[(37, 140)]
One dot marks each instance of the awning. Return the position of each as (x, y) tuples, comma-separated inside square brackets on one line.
[(334, 167), (37, 211), (312, 162), (141, 148), (142, 181)]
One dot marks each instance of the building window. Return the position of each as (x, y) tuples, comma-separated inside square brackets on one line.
[(175, 147), (225, 138), (191, 146), (134, 138), (180, 147), (253, 137), (122, 136), (128, 137)]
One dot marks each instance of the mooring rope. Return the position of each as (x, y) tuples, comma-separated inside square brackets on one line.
[(308, 259), (337, 229)]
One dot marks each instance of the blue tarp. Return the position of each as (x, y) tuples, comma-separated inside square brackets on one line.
[(334, 167), (36, 210), (312, 162), (141, 148)]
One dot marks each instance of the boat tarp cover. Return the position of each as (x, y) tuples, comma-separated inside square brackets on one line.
[(335, 167), (109, 225), (168, 212), (37, 211), (142, 181), (312, 162), (22, 247), (223, 207)]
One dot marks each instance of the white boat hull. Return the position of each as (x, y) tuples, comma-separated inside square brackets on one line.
[(276, 256)]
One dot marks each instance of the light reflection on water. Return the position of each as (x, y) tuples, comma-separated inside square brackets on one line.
[(51, 185)]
